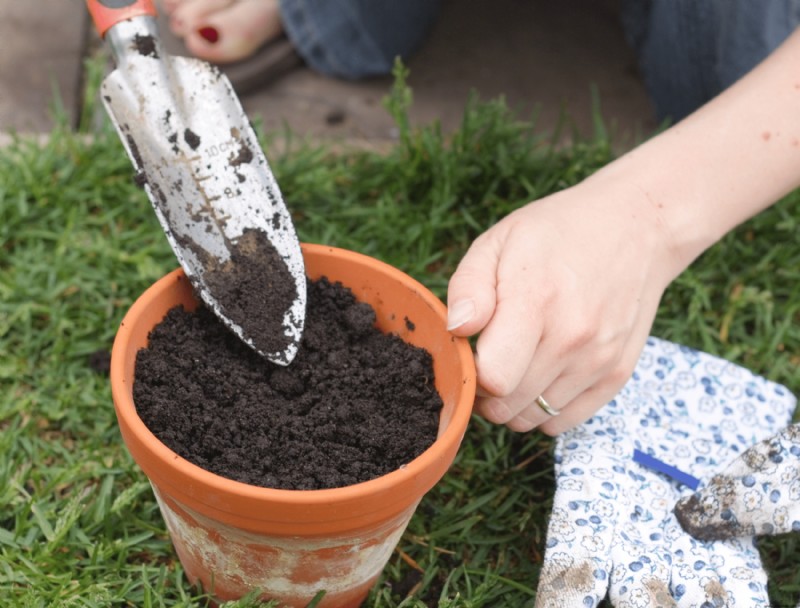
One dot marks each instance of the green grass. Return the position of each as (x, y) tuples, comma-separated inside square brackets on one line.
[(79, 242)]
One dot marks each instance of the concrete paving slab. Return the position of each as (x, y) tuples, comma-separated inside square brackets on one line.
[(42, 54)]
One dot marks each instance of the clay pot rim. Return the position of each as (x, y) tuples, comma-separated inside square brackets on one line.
[(452, 435)]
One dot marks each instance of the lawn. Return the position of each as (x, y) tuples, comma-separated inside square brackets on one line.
[(79, 242)]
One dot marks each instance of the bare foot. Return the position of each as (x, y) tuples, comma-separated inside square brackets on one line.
[(223, 31)]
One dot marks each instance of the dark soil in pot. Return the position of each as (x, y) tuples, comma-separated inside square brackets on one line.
[(355, 403)]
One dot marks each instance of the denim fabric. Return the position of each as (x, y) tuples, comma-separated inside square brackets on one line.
[(356, 38), (690, 50)]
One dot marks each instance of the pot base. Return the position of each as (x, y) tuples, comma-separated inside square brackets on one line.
[(229, 563)]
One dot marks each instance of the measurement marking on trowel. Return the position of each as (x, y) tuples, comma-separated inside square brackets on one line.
[(220, 148), (206, 208)]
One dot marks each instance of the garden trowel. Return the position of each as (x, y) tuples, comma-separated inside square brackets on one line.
[(202, 167)]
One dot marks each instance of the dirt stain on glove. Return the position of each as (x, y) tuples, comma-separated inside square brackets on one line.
[(711, 513), (707, 515), (558, 582), (660, 596), (561, 585)]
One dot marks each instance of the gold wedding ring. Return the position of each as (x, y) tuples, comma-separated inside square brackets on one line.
[(540, 401)]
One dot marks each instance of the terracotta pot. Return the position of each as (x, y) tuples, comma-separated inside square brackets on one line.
[(234, 537)]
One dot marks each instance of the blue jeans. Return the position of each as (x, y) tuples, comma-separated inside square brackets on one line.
[(688, 50), (356, 38), (691, 50)]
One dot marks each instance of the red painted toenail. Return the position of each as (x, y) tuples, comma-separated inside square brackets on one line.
[(209, 33)]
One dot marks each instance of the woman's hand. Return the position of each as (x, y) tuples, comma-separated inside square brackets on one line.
[(563, 292)]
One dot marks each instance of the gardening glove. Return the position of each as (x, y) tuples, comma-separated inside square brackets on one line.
[(683, 415), (758, 494)]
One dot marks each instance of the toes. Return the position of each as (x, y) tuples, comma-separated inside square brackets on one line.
[(233, 33)]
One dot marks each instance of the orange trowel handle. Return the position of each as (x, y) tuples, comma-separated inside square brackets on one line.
[(107, 13)]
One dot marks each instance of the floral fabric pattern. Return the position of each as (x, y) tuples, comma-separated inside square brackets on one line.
[(757, 494), (613, 530)]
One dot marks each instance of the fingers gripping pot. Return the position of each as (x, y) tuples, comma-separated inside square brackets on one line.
[(233, 537)]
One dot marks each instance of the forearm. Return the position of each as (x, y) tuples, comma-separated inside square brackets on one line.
[(723, 164)]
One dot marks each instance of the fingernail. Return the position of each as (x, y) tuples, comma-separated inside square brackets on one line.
[(459, 313), (209, 33)]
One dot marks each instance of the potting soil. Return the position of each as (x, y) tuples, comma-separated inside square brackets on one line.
[(354, 404)]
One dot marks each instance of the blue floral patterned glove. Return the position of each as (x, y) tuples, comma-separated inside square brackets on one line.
[(682, 417), (758, 494)]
